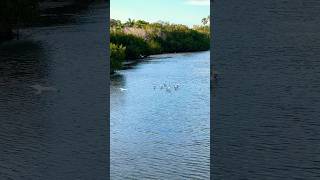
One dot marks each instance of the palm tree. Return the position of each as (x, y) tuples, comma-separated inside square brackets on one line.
[(130, 23), (204, 21)]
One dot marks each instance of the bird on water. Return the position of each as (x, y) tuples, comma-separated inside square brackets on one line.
[(39, 88)]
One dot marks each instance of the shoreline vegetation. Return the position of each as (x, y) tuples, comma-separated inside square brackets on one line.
[(17, 14), (137, 39)]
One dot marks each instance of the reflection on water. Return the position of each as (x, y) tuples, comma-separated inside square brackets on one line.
[(23, 62), (118, 81), (55, 134), (266, 108), (156, 133)]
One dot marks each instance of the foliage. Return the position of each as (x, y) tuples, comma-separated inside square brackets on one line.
[(154, 47), (136, 47), (205, 20), (182, 39), (141, 38), (117, 56)]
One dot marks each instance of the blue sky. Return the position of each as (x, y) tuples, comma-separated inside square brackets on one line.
[(188, 12)]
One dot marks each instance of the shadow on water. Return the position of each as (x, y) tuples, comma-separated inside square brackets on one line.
[(266, 123), (55, 135), (62, 14), (133, 64), (22, 61), (21, 64), (117, 80)]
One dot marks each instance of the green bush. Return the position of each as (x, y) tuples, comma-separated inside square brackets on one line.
[(117, 56), (136, 47), (143, 39), (185, 41), (154, 47)]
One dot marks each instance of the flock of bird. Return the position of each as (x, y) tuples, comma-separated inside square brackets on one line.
[(167, 87)]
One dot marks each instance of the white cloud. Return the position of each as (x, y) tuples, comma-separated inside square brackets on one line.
[(198, 2)]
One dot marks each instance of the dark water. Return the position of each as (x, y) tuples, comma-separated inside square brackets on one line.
[(160, 134), (266, 108), (55, 135)]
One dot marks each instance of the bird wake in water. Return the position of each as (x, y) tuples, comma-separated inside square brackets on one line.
[(40, 89)]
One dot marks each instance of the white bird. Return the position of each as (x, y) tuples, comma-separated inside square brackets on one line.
[(122, 89), (40, 88), (168, 89)]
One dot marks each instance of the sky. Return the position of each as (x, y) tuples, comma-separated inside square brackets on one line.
[(187, 12)]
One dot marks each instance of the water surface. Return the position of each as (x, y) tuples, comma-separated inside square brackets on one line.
[(266, 108), (55, 135), (158, 133)]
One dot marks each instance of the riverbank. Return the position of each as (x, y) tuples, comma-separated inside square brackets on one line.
[(135, 40), (128, 64)]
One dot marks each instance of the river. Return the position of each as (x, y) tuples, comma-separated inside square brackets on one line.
[(266, 103), (56, 134), (157, 132)]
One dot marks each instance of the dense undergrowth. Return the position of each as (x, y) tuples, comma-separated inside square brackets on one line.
[(134, 40)]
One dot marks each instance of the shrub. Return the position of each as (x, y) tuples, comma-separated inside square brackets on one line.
[(139, 39), (117, 56), (154, 47), (136, 47)]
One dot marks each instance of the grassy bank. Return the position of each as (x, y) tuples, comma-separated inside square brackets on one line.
[(134, 40)]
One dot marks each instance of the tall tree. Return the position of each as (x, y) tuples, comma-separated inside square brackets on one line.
[(129, 23), (204, 21)]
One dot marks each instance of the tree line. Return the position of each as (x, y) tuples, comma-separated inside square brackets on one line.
[(135, 39)]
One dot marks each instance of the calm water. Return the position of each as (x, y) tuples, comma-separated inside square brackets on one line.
[(55, 135), (266, 108), (161, 134)]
